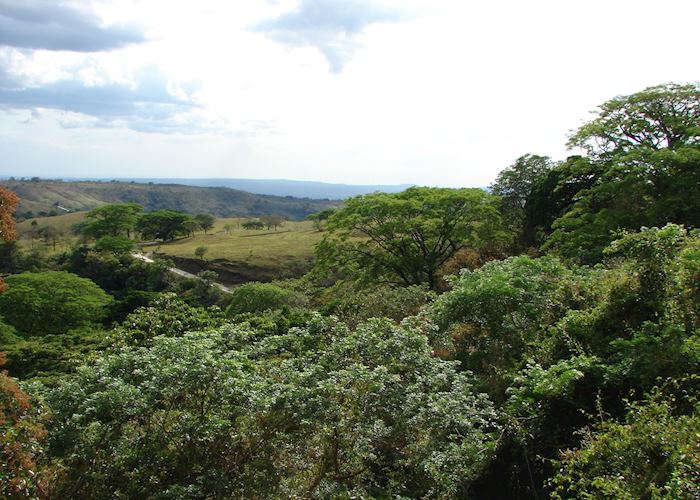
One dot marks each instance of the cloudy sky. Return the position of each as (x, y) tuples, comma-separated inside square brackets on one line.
[(435, 92)]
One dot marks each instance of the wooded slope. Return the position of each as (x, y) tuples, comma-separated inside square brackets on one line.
[(46, 195)]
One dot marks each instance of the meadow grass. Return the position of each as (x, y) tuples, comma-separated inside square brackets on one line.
[(293, 240), (62, 223), (266, 247)]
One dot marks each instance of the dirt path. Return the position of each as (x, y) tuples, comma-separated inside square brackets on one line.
[(180, 272)]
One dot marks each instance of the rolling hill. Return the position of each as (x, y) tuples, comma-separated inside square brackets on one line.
[(41, 196), (276, 187)]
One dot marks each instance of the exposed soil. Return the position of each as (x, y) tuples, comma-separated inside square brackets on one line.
[(232, 273)]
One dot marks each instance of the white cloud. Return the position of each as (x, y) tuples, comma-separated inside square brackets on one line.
[(448, 95), (333, 27), (56, 25)]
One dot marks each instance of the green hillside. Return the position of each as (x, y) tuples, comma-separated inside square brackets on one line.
[(44, 196)]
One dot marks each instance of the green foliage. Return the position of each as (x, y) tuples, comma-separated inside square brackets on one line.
[(163, 224), (205, 221), (200, 251), (258, 297), (115, 244), (553, 195), (500, 315), (355, 306), (168, 316), (272, 221), (404, 238), (316, 412), (46, 358), (654, 453), (320, 218), (535, 387), (515, 186), (201, 291), (277, 322), (22, 437), (8, 333), (643, 188), (253, 224), (665, 116), (13, 259), (646, 148), (548, 340), (52, 302), (117, 219), (118, 273)]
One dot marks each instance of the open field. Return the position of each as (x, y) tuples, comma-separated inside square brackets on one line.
[(292, 241), (62, 223), (29, 237)]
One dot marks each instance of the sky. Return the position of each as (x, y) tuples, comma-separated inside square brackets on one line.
[(429, 92)]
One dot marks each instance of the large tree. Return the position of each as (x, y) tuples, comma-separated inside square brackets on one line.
[(645, 153), (406, 237), (51, 302), (660, 117), (515, 185), (205, 221), (163, 224), (112, 220)]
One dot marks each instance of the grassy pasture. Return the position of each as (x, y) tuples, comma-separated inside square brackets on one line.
[(62, 223), (292, 241)]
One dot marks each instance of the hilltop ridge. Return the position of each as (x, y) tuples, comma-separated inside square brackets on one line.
[(42, 196)]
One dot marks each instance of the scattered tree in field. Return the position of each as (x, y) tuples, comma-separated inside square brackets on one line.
[(118, 219), (200, 251), (190, 226), (163, 224), (253, 224), (228, 227), (405, 237), (272, 221), (205, 221), (51, 302), (50, 235), (319, 218)]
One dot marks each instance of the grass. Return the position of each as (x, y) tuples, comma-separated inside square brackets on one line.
[(292, 241), (62, 223)]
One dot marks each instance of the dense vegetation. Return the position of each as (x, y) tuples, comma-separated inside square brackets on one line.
[(539, 340)]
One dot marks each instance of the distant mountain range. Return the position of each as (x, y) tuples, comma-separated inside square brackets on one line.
[(42, 197), (275, 187)]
